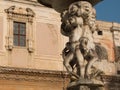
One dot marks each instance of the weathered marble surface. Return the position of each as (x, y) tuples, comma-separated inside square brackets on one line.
[(83, 58)]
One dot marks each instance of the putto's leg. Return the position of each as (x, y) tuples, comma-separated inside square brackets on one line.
[(67, 59), (80, 60)]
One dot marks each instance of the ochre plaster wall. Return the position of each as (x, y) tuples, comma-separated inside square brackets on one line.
[(24, 85)]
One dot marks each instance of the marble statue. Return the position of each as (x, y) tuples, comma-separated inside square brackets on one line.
[(81, 55), (78, 23)]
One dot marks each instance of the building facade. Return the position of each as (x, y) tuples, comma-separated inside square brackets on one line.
[(31, 46)]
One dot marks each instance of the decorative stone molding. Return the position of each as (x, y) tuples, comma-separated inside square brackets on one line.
[(113, 79), (115, 27), (18, 12), (11, 73), (9, 42), (104, 25), (30, 45), (21, 15), (35, 75)]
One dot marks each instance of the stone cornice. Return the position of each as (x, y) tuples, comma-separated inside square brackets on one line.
[(12, 73), (103, 25), (32, 72), (115, 28), (25, 74), (108, 26)]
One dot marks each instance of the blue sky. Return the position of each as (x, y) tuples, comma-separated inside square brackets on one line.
[(108, 10)]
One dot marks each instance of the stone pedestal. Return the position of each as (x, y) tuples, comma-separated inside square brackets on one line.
[(110, 83), (86, 84)]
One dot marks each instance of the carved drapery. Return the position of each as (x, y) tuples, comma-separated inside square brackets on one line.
[(19, 14)]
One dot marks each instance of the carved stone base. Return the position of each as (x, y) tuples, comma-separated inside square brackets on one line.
[(109, 83), (86, 88), (86, 84)]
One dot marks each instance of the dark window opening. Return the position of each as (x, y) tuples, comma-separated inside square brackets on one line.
[(19, 34), (117, 56), (118, 72), (100, 32), (117, 53)]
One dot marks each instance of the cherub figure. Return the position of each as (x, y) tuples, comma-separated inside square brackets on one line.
[(73, 21), (78, 23), (72, 27)]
